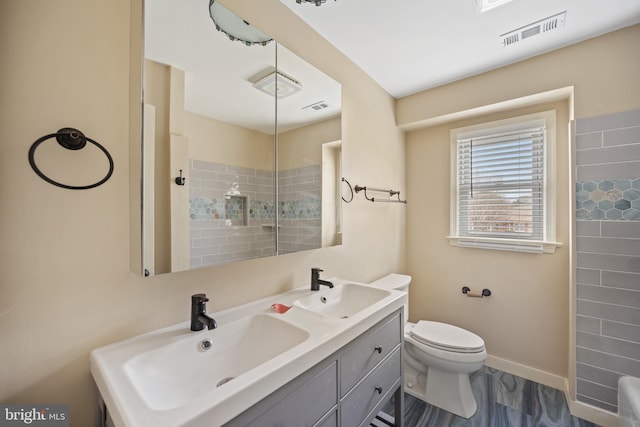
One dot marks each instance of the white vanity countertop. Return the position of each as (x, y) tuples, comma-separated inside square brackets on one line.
[(218, 405)]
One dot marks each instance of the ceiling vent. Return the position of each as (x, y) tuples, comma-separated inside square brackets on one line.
[(543, 26), (316, 106)]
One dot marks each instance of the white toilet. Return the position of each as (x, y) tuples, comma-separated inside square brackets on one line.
[(438, 358)]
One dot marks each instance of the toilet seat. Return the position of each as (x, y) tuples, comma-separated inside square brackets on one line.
[(446, 337)]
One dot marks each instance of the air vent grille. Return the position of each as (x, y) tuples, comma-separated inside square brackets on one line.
[(544, 25), (550, 25), (316, 106), (511, 39)]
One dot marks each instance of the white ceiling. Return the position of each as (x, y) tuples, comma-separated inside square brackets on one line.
[(411, 45), (405, 45)]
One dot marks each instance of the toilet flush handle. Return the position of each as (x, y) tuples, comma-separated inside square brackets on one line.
[(378, 349)]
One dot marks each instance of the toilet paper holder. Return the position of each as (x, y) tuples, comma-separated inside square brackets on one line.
[(467, 291)]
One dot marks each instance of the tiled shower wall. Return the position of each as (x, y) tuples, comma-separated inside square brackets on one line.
[(300, 209), (218, 233), (608, 255)]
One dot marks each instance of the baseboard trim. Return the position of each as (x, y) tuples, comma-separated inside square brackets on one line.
[(578, 409), (592, 413), (533, 374)]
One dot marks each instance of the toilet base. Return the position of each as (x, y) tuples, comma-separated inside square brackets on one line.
[(446, 390), (415, 383)]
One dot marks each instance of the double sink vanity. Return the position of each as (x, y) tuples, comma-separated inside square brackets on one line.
[(332, 359)]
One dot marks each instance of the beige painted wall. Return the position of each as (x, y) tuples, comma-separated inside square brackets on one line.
[(219, 142), (303, 146), (526, 321), (65, 281), (526, 318)]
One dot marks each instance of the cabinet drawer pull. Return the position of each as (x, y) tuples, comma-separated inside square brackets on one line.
[(378, 349), (379, 390)]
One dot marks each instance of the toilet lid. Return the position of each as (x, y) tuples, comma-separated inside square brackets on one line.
[(446, 337)]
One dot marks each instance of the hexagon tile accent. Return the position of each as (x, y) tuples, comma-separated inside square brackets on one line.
[(609, 199)]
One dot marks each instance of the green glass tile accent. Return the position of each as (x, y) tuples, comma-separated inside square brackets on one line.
[(307, 208), (205, 208), (608, 200)]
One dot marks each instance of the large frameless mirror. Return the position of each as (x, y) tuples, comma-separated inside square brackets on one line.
[(241, 142)]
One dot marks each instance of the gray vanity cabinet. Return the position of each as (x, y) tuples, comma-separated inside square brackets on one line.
[(345, 390)]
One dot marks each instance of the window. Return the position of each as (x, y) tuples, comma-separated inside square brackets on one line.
[(502, 185)]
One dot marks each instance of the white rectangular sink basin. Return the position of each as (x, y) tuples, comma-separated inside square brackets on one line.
[(172, 375), (342, 301)]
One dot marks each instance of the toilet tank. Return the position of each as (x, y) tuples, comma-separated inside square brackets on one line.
[(629, 401), (396, 282)]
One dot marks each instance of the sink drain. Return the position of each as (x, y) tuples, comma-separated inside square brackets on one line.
[(206, 344), (224, 381)]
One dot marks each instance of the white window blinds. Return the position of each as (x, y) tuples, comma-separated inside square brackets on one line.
[(501, 184)]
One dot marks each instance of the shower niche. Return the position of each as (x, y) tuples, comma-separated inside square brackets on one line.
[(235, 210)]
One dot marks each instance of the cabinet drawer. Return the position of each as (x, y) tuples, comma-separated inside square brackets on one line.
[(362, 399), (330, 420), (303, 405), (367, 351)]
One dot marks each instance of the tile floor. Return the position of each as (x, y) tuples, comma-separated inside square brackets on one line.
[(504, 400)]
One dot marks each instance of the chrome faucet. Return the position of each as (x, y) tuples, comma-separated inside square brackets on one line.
[(316, 281), (199, 318)]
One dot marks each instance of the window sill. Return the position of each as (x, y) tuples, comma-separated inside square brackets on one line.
[(528, 246)]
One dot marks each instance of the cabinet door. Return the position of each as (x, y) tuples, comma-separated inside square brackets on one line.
[(366, 352), (358, 404)]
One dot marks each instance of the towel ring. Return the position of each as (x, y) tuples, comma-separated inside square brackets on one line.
[(71, 139), (350, 189)]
